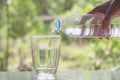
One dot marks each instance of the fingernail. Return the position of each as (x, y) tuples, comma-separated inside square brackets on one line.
[(107, 37), (100, 37)]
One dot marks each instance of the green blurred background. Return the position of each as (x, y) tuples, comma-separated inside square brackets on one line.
[(20, 19)]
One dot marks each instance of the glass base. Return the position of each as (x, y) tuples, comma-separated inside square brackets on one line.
[(45, 76)]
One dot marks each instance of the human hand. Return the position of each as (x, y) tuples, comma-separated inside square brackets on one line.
[(97, 15), (95, 23), (102, 15), (112, 12), (98, 27)]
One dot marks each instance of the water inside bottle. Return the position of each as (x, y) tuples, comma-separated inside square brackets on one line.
[(76, 32)]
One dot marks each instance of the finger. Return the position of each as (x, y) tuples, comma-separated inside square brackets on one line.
[(83, 23), (94, 26), (108, 31), (83, 28), (111, 29), (91, 30), (105, 30), (107, 34), (100, 37), (85, 18), (101, 33), (96, 30)]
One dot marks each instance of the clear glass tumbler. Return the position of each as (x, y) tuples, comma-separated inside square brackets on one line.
[(45, 55)]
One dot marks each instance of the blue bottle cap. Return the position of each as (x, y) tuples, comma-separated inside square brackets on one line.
[(57, 26)]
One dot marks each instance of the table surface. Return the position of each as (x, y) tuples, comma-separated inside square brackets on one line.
[(64, 75)]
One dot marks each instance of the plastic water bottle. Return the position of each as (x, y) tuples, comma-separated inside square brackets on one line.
[(71, 26)]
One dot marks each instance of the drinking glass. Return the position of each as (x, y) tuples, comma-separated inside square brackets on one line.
[(45, 55)]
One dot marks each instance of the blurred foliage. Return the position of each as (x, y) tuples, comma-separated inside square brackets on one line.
[(91, 54), (3, 40), (34, 17)]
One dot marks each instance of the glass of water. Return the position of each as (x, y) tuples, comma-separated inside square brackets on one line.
[(45, 55)]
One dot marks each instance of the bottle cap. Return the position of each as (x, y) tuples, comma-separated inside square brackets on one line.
[(57, 25)]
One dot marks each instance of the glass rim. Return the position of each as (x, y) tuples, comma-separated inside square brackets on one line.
[(46, 36)]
